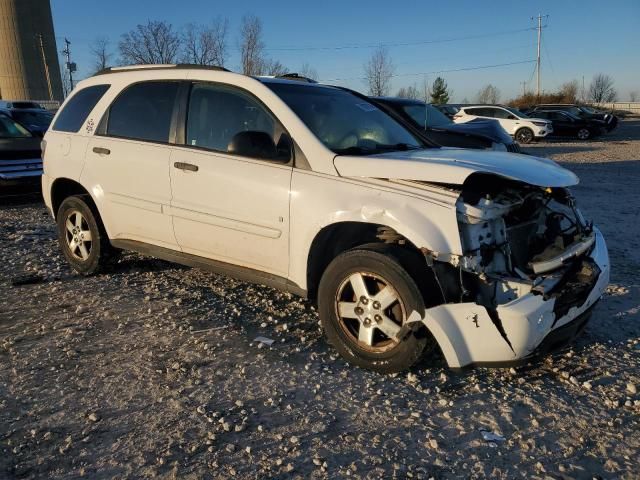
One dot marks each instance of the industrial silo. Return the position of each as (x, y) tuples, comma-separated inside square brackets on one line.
[(29, 68)]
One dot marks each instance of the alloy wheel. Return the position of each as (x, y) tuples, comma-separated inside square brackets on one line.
[(370, 311), (524, 136), (583, 134), (78, 235)]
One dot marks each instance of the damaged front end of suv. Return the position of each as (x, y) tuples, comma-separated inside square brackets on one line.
[(530, 271)]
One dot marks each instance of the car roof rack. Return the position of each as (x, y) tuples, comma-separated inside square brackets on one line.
[(297, 77), (177, 66)]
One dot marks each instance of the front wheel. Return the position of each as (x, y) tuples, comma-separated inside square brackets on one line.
[(365, 299), (524, 135), (584, 134)]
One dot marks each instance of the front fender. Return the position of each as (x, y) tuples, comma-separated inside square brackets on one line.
[(319, 201)]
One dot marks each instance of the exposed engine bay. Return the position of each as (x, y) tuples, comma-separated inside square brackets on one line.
[(516, 239)]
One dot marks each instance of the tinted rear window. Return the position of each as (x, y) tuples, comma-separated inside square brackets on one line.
[(75, 112), (143, 112)]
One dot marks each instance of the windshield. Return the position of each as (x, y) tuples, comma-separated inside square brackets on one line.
[(10, 129), (426, 115), (588, 110), (344, 122), (32, 119)]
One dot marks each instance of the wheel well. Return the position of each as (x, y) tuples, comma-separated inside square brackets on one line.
[(335, 239), (63, 188)]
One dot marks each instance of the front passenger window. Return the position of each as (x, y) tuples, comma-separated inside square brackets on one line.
[(228, 120)]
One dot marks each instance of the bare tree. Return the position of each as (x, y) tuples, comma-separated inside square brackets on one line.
[(153, 43), (309, 72), (274, 67), (569, 91), (99, 49), (601, 89), (488, 94), (206, 44), (378, 72), (411, 92), (633, 96), (252, 46)]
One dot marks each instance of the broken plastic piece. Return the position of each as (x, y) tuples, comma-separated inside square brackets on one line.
[(265, 340)]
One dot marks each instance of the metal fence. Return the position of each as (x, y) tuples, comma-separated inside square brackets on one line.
[(633, 107)]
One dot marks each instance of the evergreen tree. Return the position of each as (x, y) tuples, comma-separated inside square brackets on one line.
[(439, 92)]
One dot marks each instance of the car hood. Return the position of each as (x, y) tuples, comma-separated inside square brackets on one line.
[(490, 129), (454, 166)]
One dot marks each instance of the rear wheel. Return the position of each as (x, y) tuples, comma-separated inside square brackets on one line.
[(584, 134), (81, 236), (524, 135), (365, 300)]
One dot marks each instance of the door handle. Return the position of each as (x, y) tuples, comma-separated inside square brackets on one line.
[(101, 151), (186, 166)]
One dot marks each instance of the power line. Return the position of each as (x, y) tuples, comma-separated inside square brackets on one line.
[(398, 44), (435, 72)]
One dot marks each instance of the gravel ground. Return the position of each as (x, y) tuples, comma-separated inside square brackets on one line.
[(151, 371)]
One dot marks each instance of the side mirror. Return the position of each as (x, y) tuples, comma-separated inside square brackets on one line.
[(253, 144), (512, 117)]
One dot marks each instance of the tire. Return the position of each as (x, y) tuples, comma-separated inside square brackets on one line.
[(363, 333), (78, 219), (584, 134), (524, 135)]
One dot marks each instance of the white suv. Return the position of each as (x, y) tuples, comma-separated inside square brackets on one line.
[(516, 123), (312, 189)]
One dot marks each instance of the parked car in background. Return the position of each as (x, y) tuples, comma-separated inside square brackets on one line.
[(440, 129), (582, 111), (566, 124), (316, 190), (36, 120), (448, 110), (516, 123), (20, 155)]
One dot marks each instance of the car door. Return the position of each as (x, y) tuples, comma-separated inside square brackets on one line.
[(127, 163), (506, 119), (562, 124), (230, 187)]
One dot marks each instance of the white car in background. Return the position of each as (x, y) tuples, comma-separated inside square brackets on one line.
[(315, 190), (516, 123)]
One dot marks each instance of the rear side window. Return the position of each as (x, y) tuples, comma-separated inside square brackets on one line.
[(143, 112), (75, 112)]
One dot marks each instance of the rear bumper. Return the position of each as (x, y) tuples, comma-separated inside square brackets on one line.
[(470, 334), (16, 171)]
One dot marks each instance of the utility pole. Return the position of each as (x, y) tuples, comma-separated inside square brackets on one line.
[(71, 66), (46, 66), (524, 88), (540, 17)]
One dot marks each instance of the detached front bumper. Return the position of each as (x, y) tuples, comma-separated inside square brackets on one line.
[(470, 334)]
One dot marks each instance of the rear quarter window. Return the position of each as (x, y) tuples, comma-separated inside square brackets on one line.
[(75, 112)]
